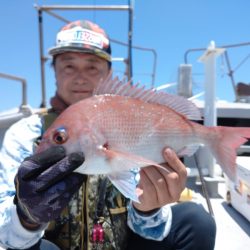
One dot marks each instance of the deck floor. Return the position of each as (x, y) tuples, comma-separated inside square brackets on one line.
[(233, 230)]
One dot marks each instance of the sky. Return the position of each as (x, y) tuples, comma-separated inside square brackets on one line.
[(168, 27)]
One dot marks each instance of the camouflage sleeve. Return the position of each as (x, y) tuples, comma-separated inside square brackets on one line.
[(155, 226)]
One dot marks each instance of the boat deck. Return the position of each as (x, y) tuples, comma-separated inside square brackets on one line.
[(233, 230)]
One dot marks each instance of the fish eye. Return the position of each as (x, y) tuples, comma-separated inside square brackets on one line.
[(60, 136)]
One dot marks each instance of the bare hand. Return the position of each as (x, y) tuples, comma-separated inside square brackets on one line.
[(158, 187)]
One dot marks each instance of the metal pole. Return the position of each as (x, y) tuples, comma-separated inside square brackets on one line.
[(228, 46), (57, 16), (83, 7), (118, 42), (130, 34), (204, 187), (145, 49), (230, 73), (24, 86), (42, 59), (210, 112)]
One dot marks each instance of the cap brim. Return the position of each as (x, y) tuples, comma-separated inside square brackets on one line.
[(100, 53)]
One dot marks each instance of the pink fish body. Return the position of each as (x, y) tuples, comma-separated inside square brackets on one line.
[(117, 133)]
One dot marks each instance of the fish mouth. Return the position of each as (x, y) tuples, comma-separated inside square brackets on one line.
[(42, 148), (44, 144)]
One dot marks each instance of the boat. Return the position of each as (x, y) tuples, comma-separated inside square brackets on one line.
[(206, 184), (227, 201)]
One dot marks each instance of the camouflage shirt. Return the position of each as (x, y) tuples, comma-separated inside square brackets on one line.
[(98, 204), (74, 228)]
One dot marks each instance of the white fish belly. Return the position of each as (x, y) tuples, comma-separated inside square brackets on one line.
[(151, 146)]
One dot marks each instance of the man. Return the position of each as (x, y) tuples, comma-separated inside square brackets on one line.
[(43, 198)]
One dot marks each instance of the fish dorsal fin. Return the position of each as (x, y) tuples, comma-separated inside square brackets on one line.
[(115, 86)]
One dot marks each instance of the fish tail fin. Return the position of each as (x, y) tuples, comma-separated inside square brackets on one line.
[(225, 146)]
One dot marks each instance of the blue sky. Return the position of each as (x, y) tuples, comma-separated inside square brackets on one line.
[(168, 27)]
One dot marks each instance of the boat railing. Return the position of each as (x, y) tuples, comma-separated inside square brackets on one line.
[(51, 10), (23, 83), (9, 117), (230, 71)]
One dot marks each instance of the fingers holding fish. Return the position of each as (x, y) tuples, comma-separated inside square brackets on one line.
[(176, 165), (154, 189), (154, 185), (158, 187)]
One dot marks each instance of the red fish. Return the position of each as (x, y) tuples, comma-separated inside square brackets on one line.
[(129, 128)]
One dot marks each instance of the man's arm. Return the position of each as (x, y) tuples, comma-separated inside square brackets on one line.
[(152, 217), (17, 144), (44, 183)]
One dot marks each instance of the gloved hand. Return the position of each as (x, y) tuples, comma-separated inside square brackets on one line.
[(45, 183)]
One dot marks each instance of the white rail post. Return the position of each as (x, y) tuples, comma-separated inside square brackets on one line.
[(210, 112)]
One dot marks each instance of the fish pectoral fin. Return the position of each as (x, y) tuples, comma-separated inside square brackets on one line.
[(126, 161), (122, 177), (125, 182)]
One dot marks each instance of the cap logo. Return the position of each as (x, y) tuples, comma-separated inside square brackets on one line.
[(82, 36)]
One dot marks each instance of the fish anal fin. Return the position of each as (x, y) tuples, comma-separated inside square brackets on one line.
[(125, 182)]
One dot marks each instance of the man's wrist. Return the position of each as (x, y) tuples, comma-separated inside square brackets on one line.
[(145, 213)]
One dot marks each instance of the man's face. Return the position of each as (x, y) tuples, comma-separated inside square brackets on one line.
[(77, 74)]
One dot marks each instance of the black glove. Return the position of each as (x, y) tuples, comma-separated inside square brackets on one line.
[(45, 183)]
